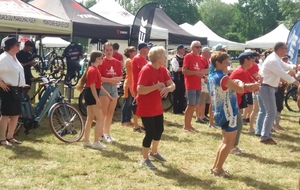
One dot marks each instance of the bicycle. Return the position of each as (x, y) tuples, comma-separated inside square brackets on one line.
[(52, 62), (167, 102), (78, 73), (65, 121), (291, 97)]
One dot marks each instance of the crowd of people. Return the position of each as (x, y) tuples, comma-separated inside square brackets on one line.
[(203, 82)]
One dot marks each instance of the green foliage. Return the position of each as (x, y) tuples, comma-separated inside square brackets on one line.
[(89, 3), (290, 10)]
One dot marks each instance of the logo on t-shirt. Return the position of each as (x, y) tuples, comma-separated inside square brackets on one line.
[(196, 67), (111, 71)]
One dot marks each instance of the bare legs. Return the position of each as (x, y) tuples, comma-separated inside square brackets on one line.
[(188, 115), (108, 108)]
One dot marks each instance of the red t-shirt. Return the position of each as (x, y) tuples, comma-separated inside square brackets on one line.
[(118, 56), (244, 76), (253, 70), (193, 63), (110, 68), (137, 63), (93, 76), (150, 105)]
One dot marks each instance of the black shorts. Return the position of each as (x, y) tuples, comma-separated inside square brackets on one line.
[(89, 98), (10, 106), (249, 98)]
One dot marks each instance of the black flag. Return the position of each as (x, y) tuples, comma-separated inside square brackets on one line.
[(142, 24)]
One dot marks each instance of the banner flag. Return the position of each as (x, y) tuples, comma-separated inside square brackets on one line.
[(142, 25), (293, 42)]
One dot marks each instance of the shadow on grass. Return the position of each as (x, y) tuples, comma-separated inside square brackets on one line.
[(126, 147), (25, 152), (290, 164), (293, 148), (217, 135), (166, 137), (258, 184), (113, 154), (172, 124), (287, 137), (184, 179)]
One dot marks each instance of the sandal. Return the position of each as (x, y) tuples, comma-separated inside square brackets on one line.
[(13, 141), (221, 173), (5, 144)]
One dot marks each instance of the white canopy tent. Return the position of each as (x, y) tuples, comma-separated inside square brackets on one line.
[(114, 12), (50, 42), (279, 34), (200, 29), (21, 18)]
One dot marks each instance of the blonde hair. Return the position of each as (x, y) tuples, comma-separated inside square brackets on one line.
[(93, 56), (156, 52)]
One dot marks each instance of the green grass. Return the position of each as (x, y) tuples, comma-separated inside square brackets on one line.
[(43, 162)]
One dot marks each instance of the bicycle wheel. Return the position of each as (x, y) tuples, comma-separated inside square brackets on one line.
[(75, 79), (167, 102), (66, 123), (291, 100), (57, 67), (39, 66), (81, 103)]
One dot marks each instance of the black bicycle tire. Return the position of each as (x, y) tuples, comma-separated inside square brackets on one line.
[(168, 99), (291, 93), (56, 133), (74, 81), (57, 73), (81, 103), (40, 65)]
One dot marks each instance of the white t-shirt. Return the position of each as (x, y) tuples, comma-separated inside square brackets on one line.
[(11, 71)]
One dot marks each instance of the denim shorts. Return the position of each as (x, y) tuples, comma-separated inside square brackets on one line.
[(193, 97), (111, 89)]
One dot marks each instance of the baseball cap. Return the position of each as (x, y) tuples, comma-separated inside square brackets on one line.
[(10, 41), (218, 47), (143, 45), (206, 49), (246, 55), (180, 46)]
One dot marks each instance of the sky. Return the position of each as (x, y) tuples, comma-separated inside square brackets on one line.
[(230, 1)]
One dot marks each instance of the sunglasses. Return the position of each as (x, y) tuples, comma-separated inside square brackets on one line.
[(198, 47)]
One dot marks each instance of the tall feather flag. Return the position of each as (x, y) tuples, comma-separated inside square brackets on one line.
[(293, 42), (142, 24)]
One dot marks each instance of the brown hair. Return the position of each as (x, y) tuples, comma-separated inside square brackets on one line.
[(93, 56), (128, 50), (218, 56), (107, 44)]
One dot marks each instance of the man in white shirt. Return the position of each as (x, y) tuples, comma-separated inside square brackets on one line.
[(272, 71)]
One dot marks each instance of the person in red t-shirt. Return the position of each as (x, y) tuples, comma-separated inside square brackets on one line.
[(111, 72), (116, 54), (92, 80), (193, 70), (246, 59), (153, 84)]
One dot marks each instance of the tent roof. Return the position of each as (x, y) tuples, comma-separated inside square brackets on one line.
[(279, 34), (53, 42), (176, 34), (120, 15), (85, 22), (200, 29), (19, 17)]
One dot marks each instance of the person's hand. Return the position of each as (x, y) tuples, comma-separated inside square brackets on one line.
[(160, 85), (296, 83), (114, 81), (119, 79), (109, 97), (98, 103), (252, 86), (4, 86), (32, 63), (164, 92)]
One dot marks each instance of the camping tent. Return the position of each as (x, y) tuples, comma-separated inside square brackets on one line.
[(279, 34), (22, 18), (53, 42), (85, 22), (120, 15), (200, 29), (176, 34)]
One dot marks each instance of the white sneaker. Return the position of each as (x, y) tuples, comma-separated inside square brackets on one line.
[(106, 139), (87, 145), (98, 145), (111, 138)]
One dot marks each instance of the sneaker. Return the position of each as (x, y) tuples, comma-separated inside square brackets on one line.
[(157, 156), (138, 129), (200, 121), (98, 145), (221, 173), (148, 163), (236, 151), (111, 138), (213, 126), (251, 131), (206, 119), (105, 139), (87, 145)]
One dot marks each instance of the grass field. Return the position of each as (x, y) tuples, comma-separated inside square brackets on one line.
[(43, 162)]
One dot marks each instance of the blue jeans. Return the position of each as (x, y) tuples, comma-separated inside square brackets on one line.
[(127, 108), (267, 95), (261, 116)]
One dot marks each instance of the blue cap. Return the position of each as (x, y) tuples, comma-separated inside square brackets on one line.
[(180, 46), (246, 55), (143, 45)]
